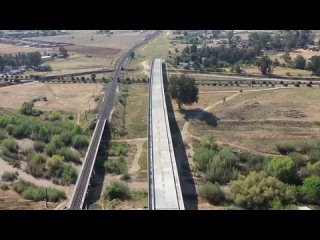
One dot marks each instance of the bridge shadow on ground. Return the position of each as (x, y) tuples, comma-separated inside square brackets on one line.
[(97, 179), (187, 183), (197, 113)]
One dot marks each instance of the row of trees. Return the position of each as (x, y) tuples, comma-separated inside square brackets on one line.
[(287, 40), (266, 64), (211, 57), (20, 59)]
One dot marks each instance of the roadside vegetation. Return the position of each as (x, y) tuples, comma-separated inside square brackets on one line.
[(57, 144), (258, 182)]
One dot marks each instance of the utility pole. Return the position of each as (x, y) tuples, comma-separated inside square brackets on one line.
[(46, 198)]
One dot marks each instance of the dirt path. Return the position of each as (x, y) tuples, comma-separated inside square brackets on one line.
[(146, 67), (135, 165), (78, 119), (246, 149), (241, 77), (246, 90), (4, 166), (185, 133)]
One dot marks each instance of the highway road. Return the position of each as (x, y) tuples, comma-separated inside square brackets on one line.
[(81, 187)]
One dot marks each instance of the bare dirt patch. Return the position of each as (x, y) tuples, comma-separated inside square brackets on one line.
[(66, 97), (92, 50)]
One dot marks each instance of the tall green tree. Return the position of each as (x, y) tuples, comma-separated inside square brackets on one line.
[(184, 90), (314, 65), (299, 62), (63, 51), (265, 65)]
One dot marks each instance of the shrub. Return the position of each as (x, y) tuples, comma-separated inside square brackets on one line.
[(69, 155), (70, 117), (8, 176), (217, 172), (116, 166), (227, 156), (212, 192), (31, 192), (117, 190), (314, 156), (3, 134), (54, 116), (202, 156), (253, 162), (310, 189), (69, 175), (256, 190), (125, 176), (80, 142), (282, 168), (4, 186), (39, 146), (10, 144), (54, 166), (314, 169), (36, 164), (50, 149), (118, 150), (298, 159), (285, 147)]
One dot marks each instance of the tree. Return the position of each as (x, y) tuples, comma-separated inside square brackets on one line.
[(282, 168), (286, 57), (132, 55), (299, 62), (314, 65), (63, 51), (184, 90), (257, 190), (265, 65), (311, 189)]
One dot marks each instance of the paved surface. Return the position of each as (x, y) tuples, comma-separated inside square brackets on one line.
[(164, 184), (104, 115)]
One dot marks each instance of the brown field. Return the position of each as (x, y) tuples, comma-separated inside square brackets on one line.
[(92, 50), (10, 200), (118, 40), (65, 97), (257, 120), (11, 49)]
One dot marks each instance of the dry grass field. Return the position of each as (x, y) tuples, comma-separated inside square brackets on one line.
[(118, 40), (65, 97), (12, 49), (258, 120)]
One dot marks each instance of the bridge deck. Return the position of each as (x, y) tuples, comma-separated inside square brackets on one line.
[(166, 186)]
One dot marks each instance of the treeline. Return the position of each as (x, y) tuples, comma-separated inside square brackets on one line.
[(20, 59), (287, 40), (257, 182), (210, 57)]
